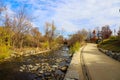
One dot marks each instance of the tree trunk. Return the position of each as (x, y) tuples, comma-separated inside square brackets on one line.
[(21, 44)]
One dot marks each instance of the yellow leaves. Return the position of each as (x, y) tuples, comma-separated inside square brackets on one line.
[(5, 37), (75, 47), (45, 45), (4, 51)]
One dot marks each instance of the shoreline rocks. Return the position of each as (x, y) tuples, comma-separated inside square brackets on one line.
[(114, 55), (58, 69), (42, 66)]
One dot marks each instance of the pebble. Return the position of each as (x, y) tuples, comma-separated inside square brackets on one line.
[(59, 72), (46, 69), (41, 72), (64, 68), (21, 70), (71, 79)]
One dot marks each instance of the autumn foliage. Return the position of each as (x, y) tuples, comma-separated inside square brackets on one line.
[(18, 32)]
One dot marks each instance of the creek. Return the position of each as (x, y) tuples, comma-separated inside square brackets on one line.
[(44, 66)]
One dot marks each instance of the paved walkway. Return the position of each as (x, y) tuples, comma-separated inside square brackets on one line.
[(100, 66)]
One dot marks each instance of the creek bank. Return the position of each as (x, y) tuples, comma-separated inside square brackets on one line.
[(43, 66)]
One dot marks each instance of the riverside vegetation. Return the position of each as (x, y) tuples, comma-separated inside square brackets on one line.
[(18, 34), (27, 54)]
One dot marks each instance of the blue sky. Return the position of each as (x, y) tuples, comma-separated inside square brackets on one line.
[(70, 15)]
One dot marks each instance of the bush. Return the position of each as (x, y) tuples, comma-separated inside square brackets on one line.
[(113, 38), (45, 45), (4, 52), (75, 47), (110, 44)]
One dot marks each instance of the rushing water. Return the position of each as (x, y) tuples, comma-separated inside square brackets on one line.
[(44, 66)]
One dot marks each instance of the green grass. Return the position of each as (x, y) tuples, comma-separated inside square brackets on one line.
[(75, 47), (112, 44)]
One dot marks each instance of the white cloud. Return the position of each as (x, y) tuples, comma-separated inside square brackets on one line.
[(10, 11), (98, 12), (73, 15)]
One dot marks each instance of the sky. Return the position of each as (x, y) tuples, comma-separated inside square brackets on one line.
[(70, 15)]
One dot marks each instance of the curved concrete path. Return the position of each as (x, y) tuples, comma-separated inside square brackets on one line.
[(100, 66)]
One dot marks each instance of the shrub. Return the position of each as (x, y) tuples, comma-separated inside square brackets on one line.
[(113, 38), (45, 45), (4, 52), (75, 47)]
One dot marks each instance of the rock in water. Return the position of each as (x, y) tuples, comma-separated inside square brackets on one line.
[(64, 68)]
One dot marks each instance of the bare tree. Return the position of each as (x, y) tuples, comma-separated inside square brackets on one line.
[(106, 32), (84, 33), (20, 25), (36, 35), (80, 36), (50, 32)]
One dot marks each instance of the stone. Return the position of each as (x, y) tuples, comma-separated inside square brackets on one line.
[(118, 57), (59, 72), (22, 67), (35, 68), (59, 75), (64, 68), (44, 64), (47, 74), (115, 56), (28, 60), (70, 79), (58, 60), (54, 66), (13, 55), (41, 72), (37, 64), (30, 66), (63, 64), (21, 70), (108, 53)]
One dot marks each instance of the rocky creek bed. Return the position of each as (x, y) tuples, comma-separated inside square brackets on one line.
[(43, 66)]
